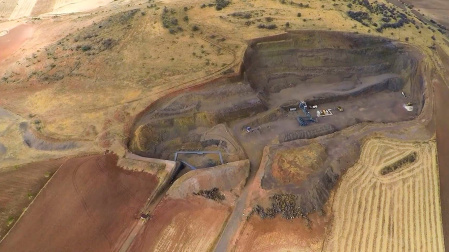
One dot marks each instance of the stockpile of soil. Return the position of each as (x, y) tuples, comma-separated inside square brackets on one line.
[(33, 141), (231, 176), (295, 164)]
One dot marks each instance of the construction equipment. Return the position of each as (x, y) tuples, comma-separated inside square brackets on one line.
[(304, 121), (324, 112)]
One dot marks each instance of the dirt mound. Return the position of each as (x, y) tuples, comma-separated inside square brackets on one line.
[(307, 133), (294, 165), (230, 176), (89, 204), (33, 141)]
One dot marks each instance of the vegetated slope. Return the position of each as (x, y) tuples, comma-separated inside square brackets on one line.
[(89, 205), (18, 186), (398, 210)]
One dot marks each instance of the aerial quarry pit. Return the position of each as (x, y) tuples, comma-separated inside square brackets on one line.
[(253, 125)]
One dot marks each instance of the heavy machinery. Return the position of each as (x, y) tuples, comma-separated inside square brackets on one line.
[(305, 120)]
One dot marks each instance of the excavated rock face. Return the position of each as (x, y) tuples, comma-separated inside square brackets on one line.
[(372, 78), (314, 58), (191, 120), (365, 74)]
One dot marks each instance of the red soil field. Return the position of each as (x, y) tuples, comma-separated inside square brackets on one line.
[(442, 131), (191, 224), (279, 234), (90, 204), (12, 41), (19, 185)]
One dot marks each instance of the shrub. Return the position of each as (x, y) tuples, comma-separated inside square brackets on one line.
[(220, 4), (86, 48)]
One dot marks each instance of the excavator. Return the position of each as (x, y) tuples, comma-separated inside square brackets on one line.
[(305, 120)]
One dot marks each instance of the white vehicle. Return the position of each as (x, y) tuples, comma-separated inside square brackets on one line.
[(324, 112)]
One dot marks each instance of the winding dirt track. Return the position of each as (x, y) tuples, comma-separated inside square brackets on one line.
[(399, 211)]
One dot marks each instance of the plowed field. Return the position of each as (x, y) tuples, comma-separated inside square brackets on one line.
[(192, 224), (396, 211), (90, 204)]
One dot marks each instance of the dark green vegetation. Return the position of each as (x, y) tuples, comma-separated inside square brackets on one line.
[(220, 4), (410, 158), (170, 21), (284, 204), (391, 17), (213, 194), (381, 17), (268, 26)]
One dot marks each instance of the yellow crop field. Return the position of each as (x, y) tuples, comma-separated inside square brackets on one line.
[(23, 9), (389, 201), (7, 7)]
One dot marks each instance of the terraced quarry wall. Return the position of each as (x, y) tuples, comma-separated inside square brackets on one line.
[(395, 211), (313, 59), (364, 74), (370, 77)]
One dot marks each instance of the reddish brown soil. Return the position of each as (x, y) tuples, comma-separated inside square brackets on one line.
[(89, 205), (191, 224), (14, 39), (294, 165), (19, 185), (442, 130), (278, 234)]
